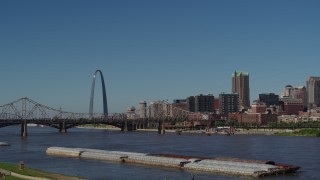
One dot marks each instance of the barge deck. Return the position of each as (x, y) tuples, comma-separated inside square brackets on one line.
[(233, 166)]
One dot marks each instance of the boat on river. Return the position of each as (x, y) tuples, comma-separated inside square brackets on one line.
[(233, 166), (4, 144)]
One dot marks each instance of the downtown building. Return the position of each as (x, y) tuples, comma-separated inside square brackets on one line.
[(258, 107), (240, 85), (313, 92), (290, 106), (269, 98), (299, 92), (200, 103), (228, 103)]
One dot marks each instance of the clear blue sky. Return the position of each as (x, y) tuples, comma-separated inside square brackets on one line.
[(153, 49)]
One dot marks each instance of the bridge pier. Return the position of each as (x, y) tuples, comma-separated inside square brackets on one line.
[(62, 127), (161, 129), (24, 129), (124, 126)]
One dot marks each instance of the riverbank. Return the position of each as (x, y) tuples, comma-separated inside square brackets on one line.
[(239, 131), (302, 132), (12, 172)]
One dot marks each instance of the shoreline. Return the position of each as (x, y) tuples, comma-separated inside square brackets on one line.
[(238, 131), (16, 171)]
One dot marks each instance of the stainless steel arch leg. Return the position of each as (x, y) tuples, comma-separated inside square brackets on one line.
[(104, 95)]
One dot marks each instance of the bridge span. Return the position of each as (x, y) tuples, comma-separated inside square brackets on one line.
[(26, 111)]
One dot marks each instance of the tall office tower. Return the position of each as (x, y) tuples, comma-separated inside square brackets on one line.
[(143, 109), (201, 103), (228, 103), (313, 92), (269, 99), (240, 85)]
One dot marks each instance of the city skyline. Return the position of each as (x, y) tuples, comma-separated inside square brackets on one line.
[(153, 50)]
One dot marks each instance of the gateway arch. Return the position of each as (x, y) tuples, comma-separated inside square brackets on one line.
[(104, 96)]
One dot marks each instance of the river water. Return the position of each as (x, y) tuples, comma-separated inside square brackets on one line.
[(300, 151)]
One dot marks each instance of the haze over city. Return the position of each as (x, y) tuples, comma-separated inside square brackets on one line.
[(153, 50)]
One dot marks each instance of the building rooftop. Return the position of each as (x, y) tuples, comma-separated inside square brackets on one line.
[(289, 99), (313, 78), (238, 73)]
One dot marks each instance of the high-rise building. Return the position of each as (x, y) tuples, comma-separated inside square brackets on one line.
[(191, 103), (269, 98), (313, 92), (204, 103), (143, 109), (216, 104), (228, 103), (240, 85), (201, 103)]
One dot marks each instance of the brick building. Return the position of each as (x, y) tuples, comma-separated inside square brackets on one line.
[(254, 118), (290, 106), (259, 107)]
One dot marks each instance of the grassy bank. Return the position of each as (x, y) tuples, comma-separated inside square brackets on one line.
[(32, 172), (302, 132)]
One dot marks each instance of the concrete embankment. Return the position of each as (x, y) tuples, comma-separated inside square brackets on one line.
[(183, 162), (13, 174)]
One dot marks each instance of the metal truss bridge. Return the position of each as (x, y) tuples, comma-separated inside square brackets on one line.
[(26, 111)]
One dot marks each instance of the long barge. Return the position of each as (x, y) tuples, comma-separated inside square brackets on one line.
[(233, 166)]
